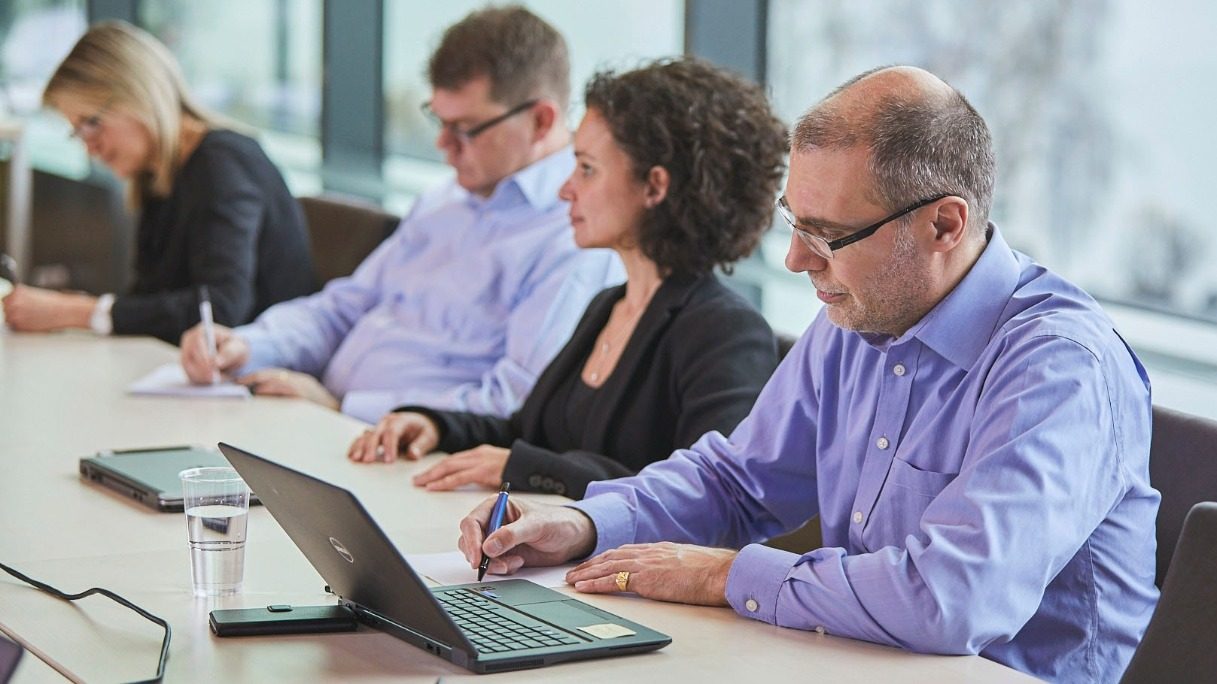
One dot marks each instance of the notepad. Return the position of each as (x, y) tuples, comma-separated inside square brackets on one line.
[(449, 567), (170, 380)]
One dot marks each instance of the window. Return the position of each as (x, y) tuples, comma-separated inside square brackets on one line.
[(1098, 128), (35, 35), (257, 61)]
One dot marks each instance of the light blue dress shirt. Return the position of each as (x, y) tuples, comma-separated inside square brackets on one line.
[(461, 308), (982, 482)]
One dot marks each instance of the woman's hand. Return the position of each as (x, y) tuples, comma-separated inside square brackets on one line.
[(33, 309), (406, 433), (482, 466)]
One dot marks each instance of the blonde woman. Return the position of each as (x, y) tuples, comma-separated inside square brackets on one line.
[(213, 210)]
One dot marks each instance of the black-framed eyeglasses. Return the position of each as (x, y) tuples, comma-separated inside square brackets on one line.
[(467, 134), (825, 248), (89, 126)]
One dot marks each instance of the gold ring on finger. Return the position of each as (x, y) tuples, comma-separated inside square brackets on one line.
[(623, 580)]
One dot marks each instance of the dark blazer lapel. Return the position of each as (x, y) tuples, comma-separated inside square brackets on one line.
[(668, 299), (568, 361)]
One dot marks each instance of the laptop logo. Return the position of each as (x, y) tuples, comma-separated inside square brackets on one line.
[(342, 550)]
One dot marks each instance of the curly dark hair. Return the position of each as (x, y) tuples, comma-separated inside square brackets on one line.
[(720, 143)]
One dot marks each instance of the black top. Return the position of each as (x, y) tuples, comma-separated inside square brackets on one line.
[(229, 223), (561, 429), (695, 362)]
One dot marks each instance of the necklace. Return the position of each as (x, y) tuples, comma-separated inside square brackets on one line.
[(614, 336)]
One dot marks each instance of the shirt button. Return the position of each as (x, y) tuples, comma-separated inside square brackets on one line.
[(752, 605), (534, 481), (858, 517), (882, 443), (898, 369), (820, 629)]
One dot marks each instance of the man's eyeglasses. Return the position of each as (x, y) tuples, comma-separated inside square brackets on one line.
[(90, 126), (467, 134), (825, 248)]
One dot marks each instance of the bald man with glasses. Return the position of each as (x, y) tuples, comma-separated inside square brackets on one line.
[(969, 427)]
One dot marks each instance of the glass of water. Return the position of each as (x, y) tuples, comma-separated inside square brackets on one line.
[(217, 510)]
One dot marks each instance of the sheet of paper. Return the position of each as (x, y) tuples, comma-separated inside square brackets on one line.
[(170, 380), (450, 568)]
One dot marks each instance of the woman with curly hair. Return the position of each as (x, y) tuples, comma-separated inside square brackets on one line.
[(677, 164)]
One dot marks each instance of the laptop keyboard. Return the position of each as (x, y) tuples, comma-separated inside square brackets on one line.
[(494, 630)]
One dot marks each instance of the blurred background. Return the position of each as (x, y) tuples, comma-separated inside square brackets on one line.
[(1099, 110)]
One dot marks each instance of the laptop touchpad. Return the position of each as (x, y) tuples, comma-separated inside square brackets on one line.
[(570, 614)]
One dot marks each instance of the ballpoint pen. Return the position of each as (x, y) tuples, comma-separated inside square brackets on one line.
[(209, 328), (8, 269), (496, 521)]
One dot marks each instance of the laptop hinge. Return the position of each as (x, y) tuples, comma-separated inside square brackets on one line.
[(430, 643)]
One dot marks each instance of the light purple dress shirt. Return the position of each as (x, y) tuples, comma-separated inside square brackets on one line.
[(461, 308), (982, 482)]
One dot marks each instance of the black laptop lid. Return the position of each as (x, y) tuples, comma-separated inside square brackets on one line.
[(346, 546)]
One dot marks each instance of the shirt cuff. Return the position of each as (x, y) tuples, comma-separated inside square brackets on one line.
[(613, 519), (367, 405), (100, 321), (261, 349), (755, 579)]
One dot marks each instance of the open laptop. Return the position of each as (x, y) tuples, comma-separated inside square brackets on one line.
[(150, 476), (481, 626)]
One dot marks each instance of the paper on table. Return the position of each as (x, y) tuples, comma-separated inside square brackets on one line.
[(170, 380), (450, 568)]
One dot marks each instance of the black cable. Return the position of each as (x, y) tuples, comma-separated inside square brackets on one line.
[(41, 586)]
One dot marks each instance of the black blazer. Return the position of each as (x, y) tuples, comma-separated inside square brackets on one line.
[(229, 223), (695, 363)]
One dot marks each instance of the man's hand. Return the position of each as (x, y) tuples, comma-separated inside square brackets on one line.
[(538, 534), (197, 361), (33, 309), (481, 465), (681, 573), (405, 433), (279, 382)]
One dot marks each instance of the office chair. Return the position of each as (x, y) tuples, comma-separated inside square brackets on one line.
[(1180, 644), (785, 342), (1183, 467), (342, 232)]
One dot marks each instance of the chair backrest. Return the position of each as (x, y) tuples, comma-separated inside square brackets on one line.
[(1183, 467), (785, 343), (342, 232), (1180, 644)]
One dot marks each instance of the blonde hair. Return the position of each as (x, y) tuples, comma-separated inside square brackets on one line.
[(118, 66)]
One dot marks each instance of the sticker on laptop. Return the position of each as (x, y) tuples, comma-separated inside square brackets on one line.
[(608, 631)]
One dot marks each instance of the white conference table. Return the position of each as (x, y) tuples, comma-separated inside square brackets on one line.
[(62, 397)]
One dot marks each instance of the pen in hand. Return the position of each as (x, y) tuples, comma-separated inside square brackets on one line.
[(209, 330), (496, 521), (8, 269)]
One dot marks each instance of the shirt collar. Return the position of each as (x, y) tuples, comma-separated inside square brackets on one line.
[(537, 184), (960, 326)]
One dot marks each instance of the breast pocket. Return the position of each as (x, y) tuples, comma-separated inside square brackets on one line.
[(897, 512)]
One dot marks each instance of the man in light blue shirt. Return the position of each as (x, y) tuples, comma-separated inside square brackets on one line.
[(465, 304), (969, 427)]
